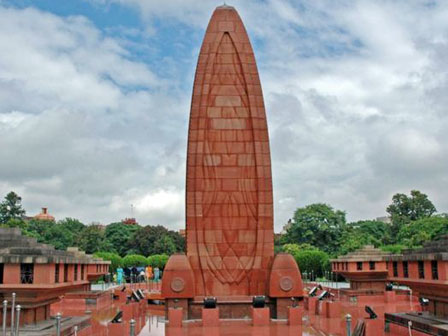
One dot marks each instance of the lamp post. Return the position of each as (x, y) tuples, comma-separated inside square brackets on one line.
[(58, 324), (348, 320), (16, 333), (132, 327), (12, 312), (5, 311)]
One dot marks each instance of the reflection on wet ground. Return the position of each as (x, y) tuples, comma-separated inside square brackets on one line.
[(150, 320)]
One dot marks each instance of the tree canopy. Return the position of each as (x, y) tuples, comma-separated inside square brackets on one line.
[(309, 258), (11, 208), (318, 225), (316, 233), (405, 209), (150, 240), (119, 235), (422, 230)]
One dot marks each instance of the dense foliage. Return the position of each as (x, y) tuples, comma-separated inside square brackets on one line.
[(115, 260), (311, 259), (417, 232), (318, 225), (405, 209), (120, 243), (137, 260), (158, 260), (316, 233), (11, 208)]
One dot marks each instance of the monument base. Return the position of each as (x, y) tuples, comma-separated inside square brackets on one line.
[(295, 315), (260, 316), (175, 317), (230, 307), (175, 304), (210, 317)]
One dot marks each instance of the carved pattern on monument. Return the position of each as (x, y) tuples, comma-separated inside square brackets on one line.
[(177, 285), (286, 283), (229, 189)]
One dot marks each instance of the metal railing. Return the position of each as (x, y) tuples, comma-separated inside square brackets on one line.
[(15, 320)]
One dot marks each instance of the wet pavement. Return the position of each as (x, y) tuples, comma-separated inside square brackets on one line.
[(150, 321)]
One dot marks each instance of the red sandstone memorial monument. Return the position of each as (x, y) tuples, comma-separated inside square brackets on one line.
[(229, 205)]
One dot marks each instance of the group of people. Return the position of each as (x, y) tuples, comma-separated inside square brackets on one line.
[(137, 274)]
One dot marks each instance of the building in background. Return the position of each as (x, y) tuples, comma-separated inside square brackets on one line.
[(129, 221), (44, 215)]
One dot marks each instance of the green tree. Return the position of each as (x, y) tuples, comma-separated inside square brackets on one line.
[(115, 260), (165, 245), (379, 232), (296, 248), (420, 231), (149, 240), (11, 208), (16, 223), (72, 224), (37, 228), (92, 240), (317, 224), (58, 236), (405, 209), (367, 232), (65, 233), (119, 235)]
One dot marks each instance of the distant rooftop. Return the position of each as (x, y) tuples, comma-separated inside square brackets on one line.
[(432, 250), (44, 215), (366, 253), (16, 248), (129, 221)]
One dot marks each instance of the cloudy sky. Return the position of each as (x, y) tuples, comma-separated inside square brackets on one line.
[(95, 94)]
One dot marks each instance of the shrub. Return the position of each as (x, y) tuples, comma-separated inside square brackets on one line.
[(136, 260), (296, 248), (158, 260), (395, 249), (115, 259), (315, 261)]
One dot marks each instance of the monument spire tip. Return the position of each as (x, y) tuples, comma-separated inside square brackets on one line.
[(225, 5)]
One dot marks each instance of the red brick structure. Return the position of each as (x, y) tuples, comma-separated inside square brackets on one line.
[(425, 271), (229, 205), (366, 268), (39, 274)]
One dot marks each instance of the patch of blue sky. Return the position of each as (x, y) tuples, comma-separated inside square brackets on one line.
[(166, 47), (102, 16), (325, 42)]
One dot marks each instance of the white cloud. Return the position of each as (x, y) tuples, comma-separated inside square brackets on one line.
[(79, 125), (355, 94)]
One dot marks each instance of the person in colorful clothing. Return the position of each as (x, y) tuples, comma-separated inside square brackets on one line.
[(119, 275)]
